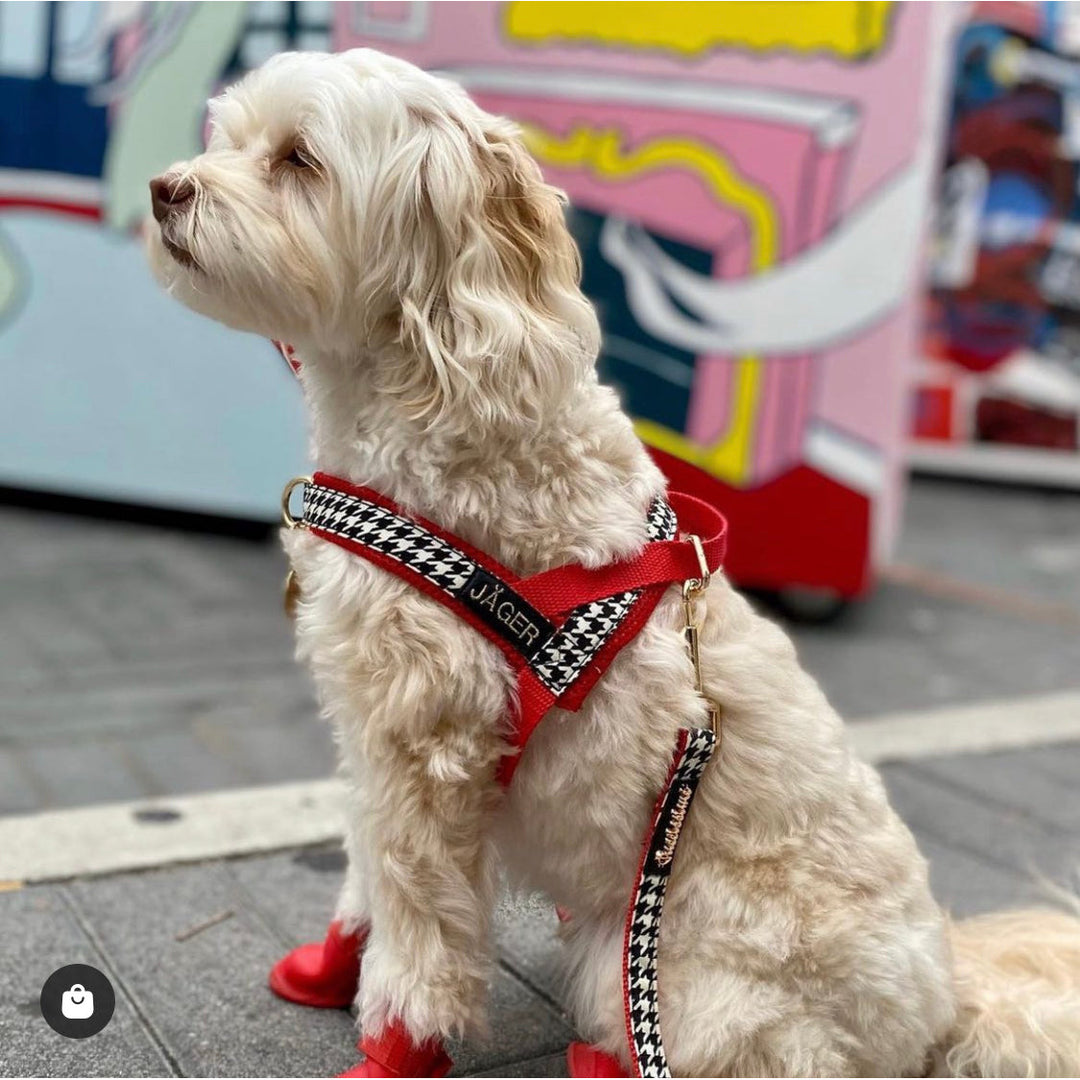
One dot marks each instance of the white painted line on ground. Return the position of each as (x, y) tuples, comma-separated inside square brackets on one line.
[(135, 835), (966, 729), (114, 837)]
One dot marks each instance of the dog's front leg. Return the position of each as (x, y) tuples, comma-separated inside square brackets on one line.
[(424, 811)]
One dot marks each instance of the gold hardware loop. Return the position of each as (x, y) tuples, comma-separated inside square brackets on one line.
[(694, 586), (287, 519), (691, 592)]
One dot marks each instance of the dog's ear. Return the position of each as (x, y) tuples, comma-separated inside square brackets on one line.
[(524, 218), (487, 276)]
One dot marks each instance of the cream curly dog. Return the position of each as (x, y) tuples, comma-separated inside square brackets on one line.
[(405, 243)]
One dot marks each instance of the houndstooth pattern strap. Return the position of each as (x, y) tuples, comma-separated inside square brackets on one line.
[(556, 656), (364, 522), (693, 752)]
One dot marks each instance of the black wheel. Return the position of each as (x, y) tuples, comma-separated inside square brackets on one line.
[(806, 605)]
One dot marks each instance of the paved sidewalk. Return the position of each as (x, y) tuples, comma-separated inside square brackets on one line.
[(199, 1006), (136, 663)]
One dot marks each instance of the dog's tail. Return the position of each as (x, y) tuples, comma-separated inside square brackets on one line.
[(1017, 979)]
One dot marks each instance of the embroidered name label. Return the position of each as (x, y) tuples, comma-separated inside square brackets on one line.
[(512, 617), (675, 824)]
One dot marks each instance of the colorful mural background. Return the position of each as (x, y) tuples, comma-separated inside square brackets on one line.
[(748, 185), (999, 388)]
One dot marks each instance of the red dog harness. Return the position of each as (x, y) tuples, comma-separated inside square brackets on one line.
[(559, 629)]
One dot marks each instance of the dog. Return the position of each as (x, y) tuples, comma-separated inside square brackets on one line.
[(405, 243)]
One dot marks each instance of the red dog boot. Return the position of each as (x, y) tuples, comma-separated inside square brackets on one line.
[(324, 974), (393, 1053), (583, 1060)]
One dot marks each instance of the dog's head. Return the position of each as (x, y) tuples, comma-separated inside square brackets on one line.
[(359, 202)]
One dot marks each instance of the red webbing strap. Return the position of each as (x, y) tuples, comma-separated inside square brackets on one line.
[(660, 562), (535, 699)]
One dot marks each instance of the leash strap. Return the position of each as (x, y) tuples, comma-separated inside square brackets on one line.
[(693, 751)]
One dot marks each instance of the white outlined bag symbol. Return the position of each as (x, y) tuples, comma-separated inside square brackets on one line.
[(77, 1003)]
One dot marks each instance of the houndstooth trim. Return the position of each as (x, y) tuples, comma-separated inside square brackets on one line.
[(647, 907), (367, 523), (587, 628), (566, 653)]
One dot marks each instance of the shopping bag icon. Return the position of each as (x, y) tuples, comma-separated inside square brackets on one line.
[(77, 1003)]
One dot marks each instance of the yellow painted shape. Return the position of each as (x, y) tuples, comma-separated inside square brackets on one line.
[(849, 29), (728, 458), (601, 151)]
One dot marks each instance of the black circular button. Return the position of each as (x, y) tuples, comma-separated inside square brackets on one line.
[(77, 1001)]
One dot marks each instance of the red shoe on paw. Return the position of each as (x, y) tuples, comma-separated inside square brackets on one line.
[(323, 975), (583, 1060), (393, 1054)]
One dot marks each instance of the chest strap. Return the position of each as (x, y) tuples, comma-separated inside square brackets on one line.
[(559, 629)]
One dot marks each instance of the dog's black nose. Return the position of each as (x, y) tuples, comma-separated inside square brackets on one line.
[(169, 193)]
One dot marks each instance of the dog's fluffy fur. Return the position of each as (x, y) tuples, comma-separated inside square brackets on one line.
[(404, 241)]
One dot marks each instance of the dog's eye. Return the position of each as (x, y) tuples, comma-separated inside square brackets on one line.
[(298, 158)]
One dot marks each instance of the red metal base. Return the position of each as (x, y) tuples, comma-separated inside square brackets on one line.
[(801, 529), (323, 975)]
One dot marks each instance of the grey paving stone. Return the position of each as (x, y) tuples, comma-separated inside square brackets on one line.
[(178, 761), (965, 884), (252, 626), (20, 789), (53, 629), (991, 832), (208, 994), (83, 770), (21, 665), (295, 891), (122, 706), (904, 649), (552, 1065), (526, 933), (39, 934), (1051, 797), (523, 1027), (1012, 538), (1061, 762), (302, 749), (901, 650)]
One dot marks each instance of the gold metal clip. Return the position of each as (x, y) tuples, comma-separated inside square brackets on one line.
[(291, 589), (290, 594), (287, 518), (692, 590)]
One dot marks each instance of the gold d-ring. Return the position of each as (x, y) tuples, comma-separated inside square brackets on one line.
[(286, 514), (693, 586)]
